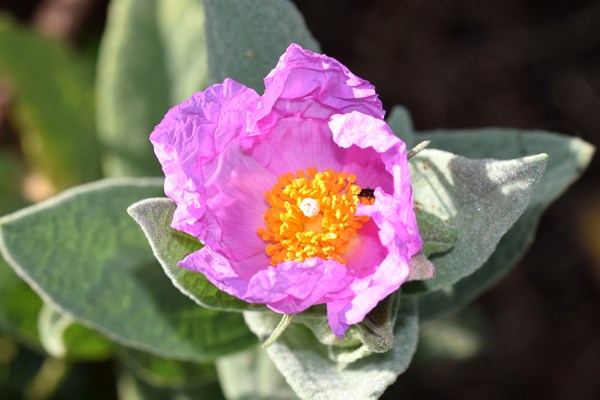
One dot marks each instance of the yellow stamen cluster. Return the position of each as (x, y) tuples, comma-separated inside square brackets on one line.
[(294, 235)]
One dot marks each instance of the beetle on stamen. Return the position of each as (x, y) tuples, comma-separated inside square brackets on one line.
[(366, 196)]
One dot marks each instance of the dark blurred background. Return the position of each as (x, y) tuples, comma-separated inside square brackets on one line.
[(528, 64)]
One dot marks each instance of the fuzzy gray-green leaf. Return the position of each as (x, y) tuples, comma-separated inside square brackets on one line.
[(170, 246), (82, 253), (153, 55), (481, 198), (568, 158), (308, 369), (252, 375), (375, 334), (246, 51), (438, 235)]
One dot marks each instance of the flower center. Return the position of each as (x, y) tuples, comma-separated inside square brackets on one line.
[(311, 215)]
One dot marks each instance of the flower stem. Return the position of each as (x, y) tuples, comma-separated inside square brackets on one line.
[(279, 329), (48, 379), (417, 149)]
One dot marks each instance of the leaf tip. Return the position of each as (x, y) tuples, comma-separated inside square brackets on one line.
[(420, 268)]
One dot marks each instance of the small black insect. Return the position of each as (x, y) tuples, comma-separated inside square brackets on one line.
[(367, 196)]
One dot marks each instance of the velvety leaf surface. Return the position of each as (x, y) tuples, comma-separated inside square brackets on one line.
[(170, 246), (567, 159), (54, 110), (438, 235), (307, 368), (375, 334), (353, 347), (82, 253), (245, 38), (252, 375), (153, 55), (482, 198), (62, 337), (399, 120)]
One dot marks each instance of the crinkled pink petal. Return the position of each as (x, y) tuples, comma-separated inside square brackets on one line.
[(223, 149), (295, 144), (365, 252), (188, 143), (367, 165), (364, 131), (289, 288), (235, 196), (302, 74), (229, 276), (378, 267), (294, 286), (388, 277), (312, 86), (335, 316)]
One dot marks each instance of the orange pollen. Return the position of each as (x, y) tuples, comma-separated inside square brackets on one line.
[(312, 214)]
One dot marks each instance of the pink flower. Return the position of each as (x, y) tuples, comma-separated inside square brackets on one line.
[(301, 196)]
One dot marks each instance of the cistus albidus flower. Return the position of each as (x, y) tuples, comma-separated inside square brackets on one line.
[(301, 196)]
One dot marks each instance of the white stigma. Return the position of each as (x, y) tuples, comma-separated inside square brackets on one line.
[(309, 207)]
